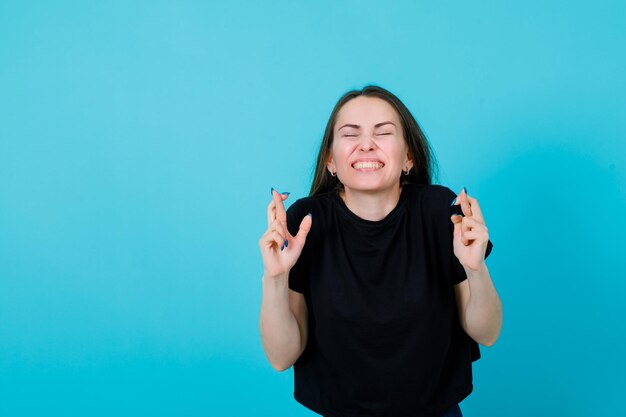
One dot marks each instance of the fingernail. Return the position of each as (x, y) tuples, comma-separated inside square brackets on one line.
[(465, 189), (272, 191), (282, 247), (453, 201), (286, 243), (310, 215), (286, 193)]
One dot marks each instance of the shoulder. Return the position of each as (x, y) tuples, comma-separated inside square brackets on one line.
[(308, 204), (437, 191), (319, 206), (431, 196), (431, 202)]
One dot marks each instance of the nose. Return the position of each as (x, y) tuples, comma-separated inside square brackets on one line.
[(367, 143)]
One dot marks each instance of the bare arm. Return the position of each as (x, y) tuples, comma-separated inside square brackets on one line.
[(480, 308), (283, 323), (283, 317)]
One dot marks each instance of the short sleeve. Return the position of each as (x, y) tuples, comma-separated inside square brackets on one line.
[(298, 276), (458, 274)]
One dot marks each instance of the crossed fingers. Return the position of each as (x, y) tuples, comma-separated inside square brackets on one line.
[(277, 234), (472, 222)]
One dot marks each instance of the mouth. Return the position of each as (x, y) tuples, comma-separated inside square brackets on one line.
[(367, 165)]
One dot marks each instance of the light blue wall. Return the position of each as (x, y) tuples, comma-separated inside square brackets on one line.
[(139, 142)]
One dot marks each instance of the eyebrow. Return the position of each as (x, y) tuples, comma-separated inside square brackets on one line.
[(358, 127)]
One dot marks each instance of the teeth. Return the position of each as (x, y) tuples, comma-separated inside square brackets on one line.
[(368, 165)]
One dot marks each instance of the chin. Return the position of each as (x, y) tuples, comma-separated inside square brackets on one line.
[(368, 186)]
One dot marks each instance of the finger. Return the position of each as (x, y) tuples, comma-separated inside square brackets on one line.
[(272, 239), (457, 232), (456, 218), (267, 240), (271, 212), (281, 214), (474, 235), (465, 224), (280, 228), (465, 204), (472, 223), (477, 212), (305, 228), (271, 207)]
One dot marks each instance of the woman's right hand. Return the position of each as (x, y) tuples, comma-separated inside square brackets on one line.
[(279, 249)]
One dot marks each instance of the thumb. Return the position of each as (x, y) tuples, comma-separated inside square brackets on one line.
[(305, 227), (456, 219)]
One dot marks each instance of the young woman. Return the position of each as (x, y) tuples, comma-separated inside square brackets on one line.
[(375, 286)]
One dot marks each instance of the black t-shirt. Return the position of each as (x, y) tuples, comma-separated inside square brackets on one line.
[(384, 337)]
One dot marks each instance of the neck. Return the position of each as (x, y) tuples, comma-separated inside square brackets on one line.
[(373, 206)]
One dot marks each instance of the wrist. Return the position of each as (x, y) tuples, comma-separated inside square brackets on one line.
[(280, 278), (479, 270)]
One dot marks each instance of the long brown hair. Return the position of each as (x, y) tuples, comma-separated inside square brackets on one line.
[(424, 164)]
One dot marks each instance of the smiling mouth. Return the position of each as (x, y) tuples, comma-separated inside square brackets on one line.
[(368, 165)]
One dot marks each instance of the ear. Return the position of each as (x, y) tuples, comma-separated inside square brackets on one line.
[(330, 165), (408, 162)]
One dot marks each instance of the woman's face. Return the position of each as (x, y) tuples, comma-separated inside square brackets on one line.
[(368, 152)]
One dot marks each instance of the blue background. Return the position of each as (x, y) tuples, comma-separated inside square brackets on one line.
[(139, 142)]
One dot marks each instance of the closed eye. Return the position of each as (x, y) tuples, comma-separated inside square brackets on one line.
[(383, 134)]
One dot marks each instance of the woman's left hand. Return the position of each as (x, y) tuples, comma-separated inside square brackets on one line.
[(470, 233)]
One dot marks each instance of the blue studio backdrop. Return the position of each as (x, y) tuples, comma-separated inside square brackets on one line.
[(139, 141)]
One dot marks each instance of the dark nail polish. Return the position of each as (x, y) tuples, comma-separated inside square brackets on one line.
[(282, 247), (456, 210), (272, 192), (465, 189), (286, 243), (453, 201), (286, 193)]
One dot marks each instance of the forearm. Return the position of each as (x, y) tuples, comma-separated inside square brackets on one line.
[(483, 314), (280, 334)]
